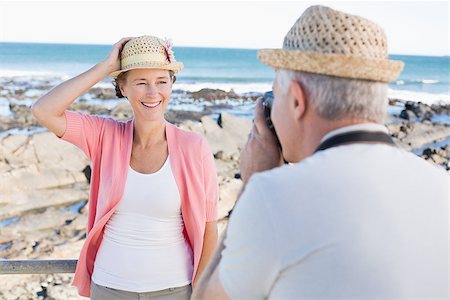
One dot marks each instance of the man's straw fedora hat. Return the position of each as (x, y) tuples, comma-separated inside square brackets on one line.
[(330, 42), (147, 52)]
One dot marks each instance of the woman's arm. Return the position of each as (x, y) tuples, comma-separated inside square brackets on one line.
[(49, 109), (209, 279), (209, 245)]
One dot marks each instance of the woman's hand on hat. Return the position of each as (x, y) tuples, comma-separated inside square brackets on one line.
[(262, 151), (112, 61)]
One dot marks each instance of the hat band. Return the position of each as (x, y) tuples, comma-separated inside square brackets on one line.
[(356, 67), (140, 58)]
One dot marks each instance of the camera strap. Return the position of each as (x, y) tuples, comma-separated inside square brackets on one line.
[(356, 137)]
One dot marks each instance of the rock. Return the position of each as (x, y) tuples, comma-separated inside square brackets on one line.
[(221, 227), (122, 111), (439, 160), (219, 139), (35, 165), (85, 107), (63, 292), (418, 135), (20, 202), (23, 116), (228, 195), (407, 115), (179, 116), (49, 219), (419, 109), (443, 109), (103, 93), (238, 128), (76, 228), (438, 156), (29, 287), (68, 250), (214, 94), (193, 126), (226, 168), (426, 153)]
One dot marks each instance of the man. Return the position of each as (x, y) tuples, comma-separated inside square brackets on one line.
[(352, 216)]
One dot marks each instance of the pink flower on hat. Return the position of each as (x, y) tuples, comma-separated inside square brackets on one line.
[(168, 50)]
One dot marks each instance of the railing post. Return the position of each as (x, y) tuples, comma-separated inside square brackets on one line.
[(37, 266)]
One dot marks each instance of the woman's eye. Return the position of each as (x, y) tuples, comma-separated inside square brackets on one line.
[(162, 82), (141, 83)]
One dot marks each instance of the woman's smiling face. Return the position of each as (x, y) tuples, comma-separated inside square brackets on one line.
[(148, 91)]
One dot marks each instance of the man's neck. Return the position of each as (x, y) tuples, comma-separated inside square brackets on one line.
[(315, 131)]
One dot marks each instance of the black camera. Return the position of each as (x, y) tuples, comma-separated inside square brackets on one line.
[(267, 102)]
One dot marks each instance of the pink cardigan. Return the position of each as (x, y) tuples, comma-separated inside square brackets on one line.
[(107, 143)]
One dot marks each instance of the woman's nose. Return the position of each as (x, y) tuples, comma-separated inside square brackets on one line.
[(151, 90)]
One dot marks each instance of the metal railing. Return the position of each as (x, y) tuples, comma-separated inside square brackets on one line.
[(37, 266)]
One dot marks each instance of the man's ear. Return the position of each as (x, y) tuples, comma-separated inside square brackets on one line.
[(299, 99)]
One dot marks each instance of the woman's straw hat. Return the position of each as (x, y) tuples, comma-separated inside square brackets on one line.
[(147, 52), (330, 42)]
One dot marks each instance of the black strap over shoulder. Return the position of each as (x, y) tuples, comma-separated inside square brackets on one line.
[(356, 137)]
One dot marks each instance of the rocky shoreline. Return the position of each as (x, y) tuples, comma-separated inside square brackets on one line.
[(44, 186)]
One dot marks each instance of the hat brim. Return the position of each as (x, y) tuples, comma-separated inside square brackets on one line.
[(332, 64), (174, 66)]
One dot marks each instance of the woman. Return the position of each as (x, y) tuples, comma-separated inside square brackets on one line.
[(153, 199)]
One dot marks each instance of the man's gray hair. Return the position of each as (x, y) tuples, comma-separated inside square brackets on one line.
[(336, 98)]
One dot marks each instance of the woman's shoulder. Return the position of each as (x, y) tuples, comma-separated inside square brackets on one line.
[(97, 118), (112, 127)]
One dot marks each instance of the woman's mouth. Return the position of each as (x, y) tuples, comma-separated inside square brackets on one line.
[(151, 104)]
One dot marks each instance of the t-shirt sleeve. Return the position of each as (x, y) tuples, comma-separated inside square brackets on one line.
[(250, 265), (210, 183), (83, 131)]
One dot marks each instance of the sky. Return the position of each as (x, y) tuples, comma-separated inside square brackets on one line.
[(412, 27)]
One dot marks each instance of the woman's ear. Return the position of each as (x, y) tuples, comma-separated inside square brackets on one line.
[(122, 89), (299, 99)]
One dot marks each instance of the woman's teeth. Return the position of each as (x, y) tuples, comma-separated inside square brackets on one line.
[(151, 104)]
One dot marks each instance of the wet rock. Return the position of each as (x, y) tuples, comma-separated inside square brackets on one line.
[(407, 115), (443, 109), (214, 94), (84, 106), (103, 93), (178, 116), (439, 156), (49, 219), (122, 111), (412, 136)]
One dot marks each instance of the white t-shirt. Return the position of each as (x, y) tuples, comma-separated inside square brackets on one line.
[(358, 221), (143, 247)]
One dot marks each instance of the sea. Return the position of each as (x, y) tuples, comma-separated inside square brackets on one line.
[(424, 78)]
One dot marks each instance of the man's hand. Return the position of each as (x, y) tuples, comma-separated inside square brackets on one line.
[(262, 151)]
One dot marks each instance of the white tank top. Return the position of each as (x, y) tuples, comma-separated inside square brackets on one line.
[(143, 247)]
